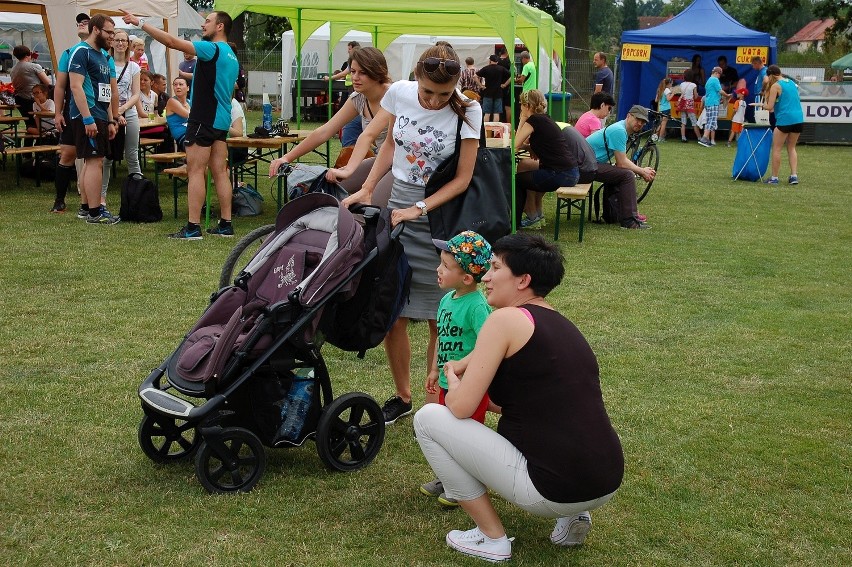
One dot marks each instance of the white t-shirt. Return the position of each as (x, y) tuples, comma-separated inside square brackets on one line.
[(47, 124), (739, 114), (424, 138), (687, 90), (237, 112), (125, 85), (149, 102)]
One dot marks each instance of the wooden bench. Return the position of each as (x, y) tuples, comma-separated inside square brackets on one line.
[(568, 198), (176, 173), (164, 159), (146, 146), (35, 150)]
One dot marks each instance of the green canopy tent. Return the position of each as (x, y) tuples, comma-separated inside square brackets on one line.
[(508, 19), (844, 62)]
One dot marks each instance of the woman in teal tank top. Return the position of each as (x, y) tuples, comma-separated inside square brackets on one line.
[(783, 99)]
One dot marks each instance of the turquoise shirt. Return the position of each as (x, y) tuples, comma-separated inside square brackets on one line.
[(97, 68), (788, 105), (213, 84), (712, 92), (616, 140)]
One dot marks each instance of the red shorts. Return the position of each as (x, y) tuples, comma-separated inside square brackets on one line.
[(478, 415), (736, 127)]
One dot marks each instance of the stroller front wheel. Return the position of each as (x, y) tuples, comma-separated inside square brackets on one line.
[(164, 440), (350, 432), (231, 460)]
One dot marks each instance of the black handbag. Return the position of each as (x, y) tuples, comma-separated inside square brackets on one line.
[(484, 205)]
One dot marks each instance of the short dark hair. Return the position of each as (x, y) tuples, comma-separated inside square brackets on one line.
[(21, 51), (601, 98), (98, 21), (601, 55), (534, 255), (353, 44), (224, 18), (468, 60), (722, 58), (39, 87)]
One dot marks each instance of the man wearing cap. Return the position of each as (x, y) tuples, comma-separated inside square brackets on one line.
[(496, 79), (611, 142), (213, 82), (713, 97)]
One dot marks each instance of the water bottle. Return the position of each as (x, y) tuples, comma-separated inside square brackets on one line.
[(297, 404), (267, 112)]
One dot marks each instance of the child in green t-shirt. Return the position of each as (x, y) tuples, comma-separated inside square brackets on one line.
[(464, 260)]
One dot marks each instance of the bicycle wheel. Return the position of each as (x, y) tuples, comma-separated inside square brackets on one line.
[(244, 251), (648, 157), (632, 149)]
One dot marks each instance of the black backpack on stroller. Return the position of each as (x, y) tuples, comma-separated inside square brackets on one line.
[(361, 322)]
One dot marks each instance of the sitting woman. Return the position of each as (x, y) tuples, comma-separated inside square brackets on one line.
[(555, 453), (177, 111), (552, 167)]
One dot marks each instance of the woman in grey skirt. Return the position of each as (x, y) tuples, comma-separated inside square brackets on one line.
[(423, 117)]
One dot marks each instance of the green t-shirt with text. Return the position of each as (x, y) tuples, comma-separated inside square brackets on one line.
[(459, 321)]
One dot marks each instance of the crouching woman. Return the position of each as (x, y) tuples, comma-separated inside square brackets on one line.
[(554, 453)]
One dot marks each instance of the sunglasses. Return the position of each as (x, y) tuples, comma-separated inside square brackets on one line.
[(451, 66)]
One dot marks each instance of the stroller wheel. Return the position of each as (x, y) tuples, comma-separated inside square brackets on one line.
[(163, 440), (350, 432), (233, 461)]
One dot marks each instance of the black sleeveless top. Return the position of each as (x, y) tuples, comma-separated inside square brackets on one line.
[(553, 412)]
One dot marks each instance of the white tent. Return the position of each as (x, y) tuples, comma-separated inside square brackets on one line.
[(58, 21), (401, 55)]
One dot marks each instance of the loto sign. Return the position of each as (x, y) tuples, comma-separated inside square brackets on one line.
[(745, 54), (636, 52)]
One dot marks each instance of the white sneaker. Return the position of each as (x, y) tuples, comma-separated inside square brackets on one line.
[(572, 531), (477, 544)]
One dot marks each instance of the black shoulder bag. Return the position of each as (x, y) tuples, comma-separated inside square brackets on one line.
[(484, 206)]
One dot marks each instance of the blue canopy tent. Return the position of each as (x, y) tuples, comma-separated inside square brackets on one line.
[(703, 28)]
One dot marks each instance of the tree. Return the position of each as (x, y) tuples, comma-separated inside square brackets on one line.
[(548, 6), (576, 25), (629, 15), (841, 10), (651, 8), (605, 27)]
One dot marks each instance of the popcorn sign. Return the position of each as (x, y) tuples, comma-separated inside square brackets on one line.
[(636, 52)]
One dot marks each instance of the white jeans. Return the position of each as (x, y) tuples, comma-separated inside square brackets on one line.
[(131, 152), (470, 458)]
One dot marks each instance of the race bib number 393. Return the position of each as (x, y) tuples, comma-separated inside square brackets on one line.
[(104, 92)]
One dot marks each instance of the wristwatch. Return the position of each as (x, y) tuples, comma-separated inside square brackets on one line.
[(141, 23), (422, 206)]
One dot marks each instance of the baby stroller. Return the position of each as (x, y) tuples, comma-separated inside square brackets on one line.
[(250, 373)]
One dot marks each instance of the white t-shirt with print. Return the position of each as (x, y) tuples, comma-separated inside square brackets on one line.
[(424, 138), (149, 102), (125, 85)]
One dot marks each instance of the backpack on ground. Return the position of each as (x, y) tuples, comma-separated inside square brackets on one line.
[(606, 204), (140, 200), (361, 322), (246, 202)]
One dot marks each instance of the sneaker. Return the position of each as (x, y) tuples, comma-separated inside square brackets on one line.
[(572, 531), (103, 218), (636, 225), (704, 142), (794, 180), (641, 217), (185, 234), (684, 140), (535, 223), (772, 181), (433, 488), (394, 409), (728, 145), (82, 213), (219, 230), (58, 207), (712, 142), (477, 544), (447, 502)]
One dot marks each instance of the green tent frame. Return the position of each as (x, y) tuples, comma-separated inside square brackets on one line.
[(386, 21)]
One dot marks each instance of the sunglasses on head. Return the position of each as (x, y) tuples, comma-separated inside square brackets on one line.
[(451, 66)]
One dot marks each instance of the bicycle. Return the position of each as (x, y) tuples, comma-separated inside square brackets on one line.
[(646, 154)]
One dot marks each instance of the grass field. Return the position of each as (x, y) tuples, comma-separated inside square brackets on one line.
[(723, 337)]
